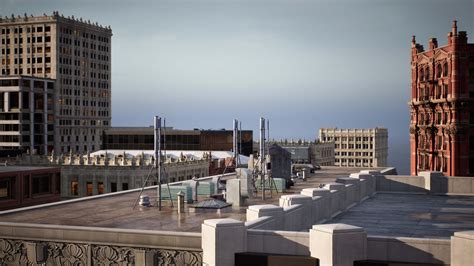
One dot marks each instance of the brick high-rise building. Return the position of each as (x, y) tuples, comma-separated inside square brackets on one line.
[(441, 106), (77, 55)]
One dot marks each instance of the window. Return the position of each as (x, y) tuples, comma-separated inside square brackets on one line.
[(74, 188), (41, 183), (100, 187), (26, 186), (7, 188), (438, 71), (89, 189), (124, 186), (113, 187)]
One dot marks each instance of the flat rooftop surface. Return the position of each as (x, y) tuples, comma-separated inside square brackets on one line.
[(410, 215), (9, 169), (115, 210)]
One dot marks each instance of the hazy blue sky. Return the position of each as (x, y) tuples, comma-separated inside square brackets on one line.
[(302, 64)]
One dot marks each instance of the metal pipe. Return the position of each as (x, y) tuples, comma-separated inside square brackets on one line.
[(158, 156), (262, 156)]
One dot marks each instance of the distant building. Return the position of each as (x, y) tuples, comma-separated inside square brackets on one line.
[(22, 186), (77, 55), (108, 171), (442, 113), (309, 152), (358, 147), (280, 162), (142, 138), (322, 153), (27, 115)]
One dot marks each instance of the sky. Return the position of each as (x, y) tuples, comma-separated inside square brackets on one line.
[(301, 64)]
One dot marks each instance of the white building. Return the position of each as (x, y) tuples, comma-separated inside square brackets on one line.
[(358, 147)]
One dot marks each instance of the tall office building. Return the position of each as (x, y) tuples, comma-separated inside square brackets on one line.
[(77, 55), (442, 113), (358, 147)]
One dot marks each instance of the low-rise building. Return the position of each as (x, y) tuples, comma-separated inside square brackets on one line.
[(358, 147), (22, 186), (142, 138), (309, 152), (322, 153)]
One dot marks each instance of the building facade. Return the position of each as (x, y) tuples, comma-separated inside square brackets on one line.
[(104, 172), (322, 153), (442, 113), (26, 115), (357, 147), (309, 152), (22, 186), (142, 138), (77, 54)]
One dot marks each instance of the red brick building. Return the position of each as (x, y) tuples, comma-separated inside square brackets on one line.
[(442, 107)]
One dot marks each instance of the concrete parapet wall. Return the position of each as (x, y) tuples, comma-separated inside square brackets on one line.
[(277, 221), (299, 212), (79, 245), (462, 248), (400, 183), (278, 242), (404, 249), (125, 237)]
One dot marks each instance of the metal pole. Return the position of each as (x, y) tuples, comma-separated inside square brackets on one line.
[(240, 137), (158, 156), (234, 140), (262, 156)]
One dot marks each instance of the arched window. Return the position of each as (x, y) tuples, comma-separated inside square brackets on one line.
[(427, 73), (422, 75), (439, 71), (445, 69)]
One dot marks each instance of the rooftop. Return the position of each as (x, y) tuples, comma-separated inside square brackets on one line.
[(412, 215), (115, 210), (9, 169)]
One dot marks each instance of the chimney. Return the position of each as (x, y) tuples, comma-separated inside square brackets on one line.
[(433, 43)]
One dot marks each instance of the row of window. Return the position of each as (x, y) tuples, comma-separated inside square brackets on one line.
[(33, 39), (354, 146), (19, 71), (28, 29), (85, 35), (440, 118), (441, 70), (439, 92), (29, 50), (77, 122), (347, 139), (353, 160), (366, 154), (29, 60), (34, 185), (85, 83), (87, 45)]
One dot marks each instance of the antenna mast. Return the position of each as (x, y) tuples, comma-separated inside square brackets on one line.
[(158, 156)]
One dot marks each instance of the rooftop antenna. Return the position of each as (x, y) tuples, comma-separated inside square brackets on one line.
[(262, 156), (236, 142), (164, 169), (240, 138), (157, 128), (158, 166)]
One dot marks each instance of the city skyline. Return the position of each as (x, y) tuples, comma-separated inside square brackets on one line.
[(301, 64)]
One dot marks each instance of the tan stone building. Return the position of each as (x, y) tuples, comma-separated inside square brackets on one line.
[(358, 147), (77, 54)]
